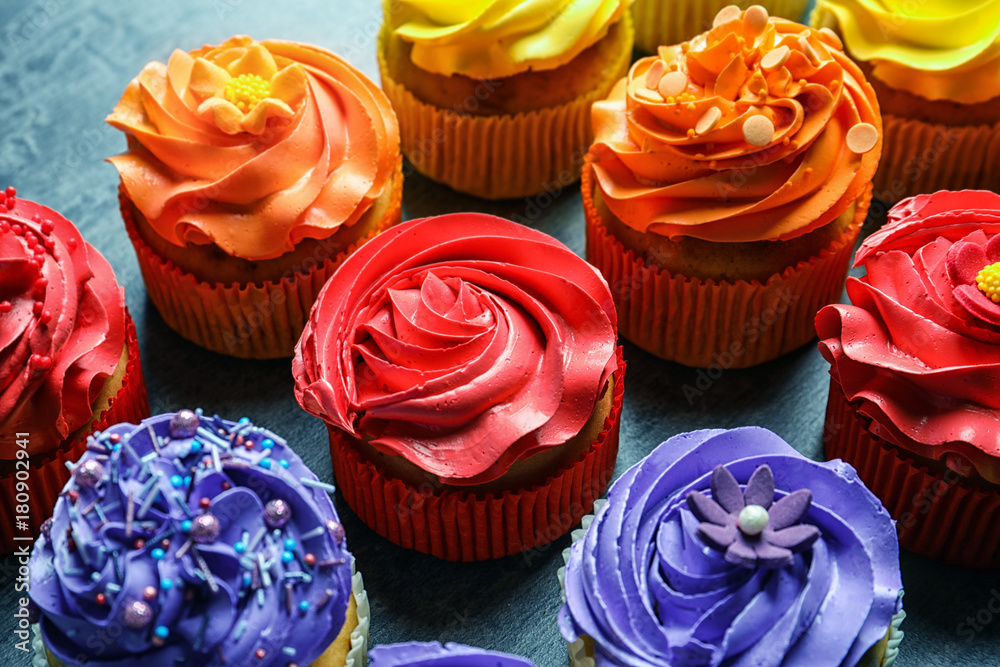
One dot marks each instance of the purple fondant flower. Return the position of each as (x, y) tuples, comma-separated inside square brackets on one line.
[(749, 526)]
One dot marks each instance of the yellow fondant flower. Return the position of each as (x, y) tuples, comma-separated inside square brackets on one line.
[(239, 86)]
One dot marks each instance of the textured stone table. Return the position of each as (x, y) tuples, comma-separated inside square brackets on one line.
[(63, 66)]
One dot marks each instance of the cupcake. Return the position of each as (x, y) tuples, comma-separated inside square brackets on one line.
[(494, 98), (728, 547), (936, 70), (914, 365), (660, 22), (726, 186), (69, 359), (433, 654), (252, 170), (198, 541), (467, 371)]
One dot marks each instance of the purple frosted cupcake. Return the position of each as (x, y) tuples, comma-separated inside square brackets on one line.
[(196, 541), (729, 547), (433, 654)]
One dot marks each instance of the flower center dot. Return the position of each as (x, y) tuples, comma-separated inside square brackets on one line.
[(246, 91), (752, 520), (988, 280)]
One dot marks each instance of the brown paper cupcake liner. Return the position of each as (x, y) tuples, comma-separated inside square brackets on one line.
[(47, 473), (938, 514), (920, 157), (668, 22), (497, 157), (251, 321), (703, 323), (458, 526)]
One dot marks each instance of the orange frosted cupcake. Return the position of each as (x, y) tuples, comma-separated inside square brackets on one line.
[(494, 98), (660, 22), (69, 359), (727, 183), (252, 169), (935, 66)]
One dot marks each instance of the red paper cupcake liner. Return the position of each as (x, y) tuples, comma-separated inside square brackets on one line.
[(251, 321), (47, 473), (919, 157), (458, 526), (937, 514), (703, 323)]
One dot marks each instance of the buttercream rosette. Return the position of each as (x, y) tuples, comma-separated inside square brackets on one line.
[(460, 347), (69, 360), (434, 654), (914, 361), (242, 154), (936, 66), (503, 132), (728, 547), (760, 130), (196, 540)]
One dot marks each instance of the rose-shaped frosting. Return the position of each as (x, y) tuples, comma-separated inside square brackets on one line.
[(920, 346), (254, 146), (461, 343), (433, 654), (487, 39), (936, 49), (191, 540), (760, 129), (62, 324), (649, 591)]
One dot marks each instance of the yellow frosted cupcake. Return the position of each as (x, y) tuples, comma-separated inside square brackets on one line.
[(659, 22), (252, 169), (935, 66), (494, 96)]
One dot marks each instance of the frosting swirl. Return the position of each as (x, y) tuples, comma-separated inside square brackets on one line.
[(760, 129), (254, 146), (461, 343), (645, 587), (920, 346), (63, 324), (935, 49), (433, 654), (487, 39), (191, 540)]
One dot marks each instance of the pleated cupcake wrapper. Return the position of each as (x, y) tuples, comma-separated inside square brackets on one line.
[(582, 655), (668, 22), (919, 157), (458, 526), (708, 324), (503, 156), (48, 474), (251, 321), (937, 514), (357, 656)]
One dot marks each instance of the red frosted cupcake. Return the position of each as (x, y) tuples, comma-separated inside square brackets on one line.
[(69, 359), (467, 370), (914, 366)]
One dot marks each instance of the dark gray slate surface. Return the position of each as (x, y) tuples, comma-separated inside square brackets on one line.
[(63, 66)]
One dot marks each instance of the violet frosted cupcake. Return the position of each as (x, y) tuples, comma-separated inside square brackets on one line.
[(729, 547), (198, 541), (433, 654)]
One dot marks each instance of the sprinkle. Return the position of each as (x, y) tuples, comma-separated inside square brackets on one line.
[(158, 554), (215, 460), (100, 513), (264, 574), (283, 463), (287, 557), (166, 584), (316, 484), (862, 138), (673, 84), (113, 588), (182, 503), (315, 532), (754, 21), (184, 549), (186, 526), (148, 502), (708, 122), (256, 539), (289, 651), (240, 629), (323, 599), (211, 437), (162, 631), (758, 130), (153, 439), (654, 73), (725, 15), (260, 597), (203, 566), (304, 606), (331, 562), (119, 571), (776, 58), (289, 602)]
